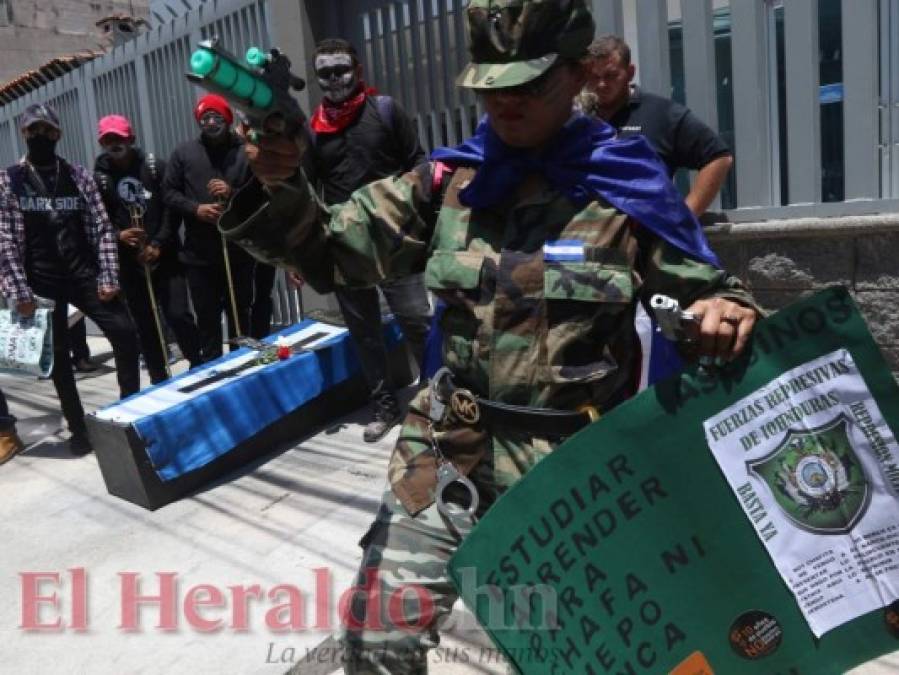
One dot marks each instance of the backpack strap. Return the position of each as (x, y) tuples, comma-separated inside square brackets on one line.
[(385, 107), (438, 178), (153, 167), (104, 182), (441, 175)]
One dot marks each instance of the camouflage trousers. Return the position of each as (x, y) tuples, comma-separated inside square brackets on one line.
[(403, 593)]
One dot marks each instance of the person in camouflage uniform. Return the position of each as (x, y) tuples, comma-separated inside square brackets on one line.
[(540, 262)]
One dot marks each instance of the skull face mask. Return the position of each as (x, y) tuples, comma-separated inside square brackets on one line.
[(337, 76), (213, 125)]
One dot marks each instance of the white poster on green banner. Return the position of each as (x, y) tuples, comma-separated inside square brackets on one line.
[(741, 521), (815, 467)]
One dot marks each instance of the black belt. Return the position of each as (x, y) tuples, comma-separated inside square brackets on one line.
[(473, 410)]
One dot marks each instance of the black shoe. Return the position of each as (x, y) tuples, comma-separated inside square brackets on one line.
[(385, 419), (85, 366), (80, 444)]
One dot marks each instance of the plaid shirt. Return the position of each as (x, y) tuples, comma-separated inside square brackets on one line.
[(100, 235)]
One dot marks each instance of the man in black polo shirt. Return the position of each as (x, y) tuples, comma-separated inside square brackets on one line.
[(680, 138)]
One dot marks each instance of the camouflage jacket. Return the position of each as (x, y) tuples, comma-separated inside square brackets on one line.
[(521, 326)]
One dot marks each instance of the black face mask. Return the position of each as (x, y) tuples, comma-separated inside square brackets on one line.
[(117, 151), (41, 150)]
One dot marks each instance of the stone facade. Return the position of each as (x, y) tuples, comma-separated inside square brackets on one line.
[(34, 31), (785, 260)]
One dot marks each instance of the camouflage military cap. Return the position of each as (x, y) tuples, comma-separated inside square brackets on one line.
[(512, 42)]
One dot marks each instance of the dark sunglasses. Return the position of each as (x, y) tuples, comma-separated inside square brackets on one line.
[(336, 71), (212, 117)]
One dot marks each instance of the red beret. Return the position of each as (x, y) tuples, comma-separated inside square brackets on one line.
[(216, 103)]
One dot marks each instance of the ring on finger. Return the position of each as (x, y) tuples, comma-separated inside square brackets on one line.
[(732, 320)]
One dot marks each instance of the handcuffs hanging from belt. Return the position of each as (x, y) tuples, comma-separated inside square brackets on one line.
[(471, 410), (465, 407)]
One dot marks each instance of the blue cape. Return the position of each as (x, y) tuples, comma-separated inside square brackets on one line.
[(584, 161)]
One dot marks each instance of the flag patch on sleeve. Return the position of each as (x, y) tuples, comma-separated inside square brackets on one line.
[(564, 250)]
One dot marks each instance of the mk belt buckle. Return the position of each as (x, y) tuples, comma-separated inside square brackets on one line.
[(465, 406), (462, 402)]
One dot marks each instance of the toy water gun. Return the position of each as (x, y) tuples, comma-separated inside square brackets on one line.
[(259, 86)]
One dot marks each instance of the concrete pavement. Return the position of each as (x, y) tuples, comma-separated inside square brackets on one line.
[(302, 508), (292, 519)]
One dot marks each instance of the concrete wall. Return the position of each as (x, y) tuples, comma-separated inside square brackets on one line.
[(33, 32), (782, 261)]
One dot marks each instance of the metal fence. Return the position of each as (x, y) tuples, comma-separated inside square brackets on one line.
[(413, 51), (792, 132), (143, 79), (814, 127), (804, 132)]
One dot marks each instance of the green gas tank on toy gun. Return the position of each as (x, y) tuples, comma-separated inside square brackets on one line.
[(259, 86)]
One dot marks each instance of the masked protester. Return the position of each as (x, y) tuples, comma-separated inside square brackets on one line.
[(541, 242), (359, 137), (130, 182), (199, 180), (56, 242)]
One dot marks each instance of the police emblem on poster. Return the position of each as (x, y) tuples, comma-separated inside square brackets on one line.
[(816, 478), (813, 463)]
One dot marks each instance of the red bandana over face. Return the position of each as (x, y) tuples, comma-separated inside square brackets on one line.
[(332, 118)]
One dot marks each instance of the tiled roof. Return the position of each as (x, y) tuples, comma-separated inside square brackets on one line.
[(51, 70)]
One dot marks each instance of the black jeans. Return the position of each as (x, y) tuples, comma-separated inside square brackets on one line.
[(209, 292), (113, 319), (7, 421), (261, 312), (170, 288), (361, 308), (78, 341)]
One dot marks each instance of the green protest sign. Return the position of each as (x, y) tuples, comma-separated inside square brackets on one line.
[(742, 523)]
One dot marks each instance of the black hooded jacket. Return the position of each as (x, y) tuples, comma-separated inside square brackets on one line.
[(139, 180), (192, 165), (380, 142)]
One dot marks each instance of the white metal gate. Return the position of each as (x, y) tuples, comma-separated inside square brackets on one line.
[(143, 79)]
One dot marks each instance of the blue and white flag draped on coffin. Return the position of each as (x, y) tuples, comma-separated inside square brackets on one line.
[(191, 420)]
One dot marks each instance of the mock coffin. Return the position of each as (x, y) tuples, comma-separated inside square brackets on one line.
[(171, 439)]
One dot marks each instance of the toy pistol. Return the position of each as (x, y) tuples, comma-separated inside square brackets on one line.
[(259, 86), (672, 320)]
